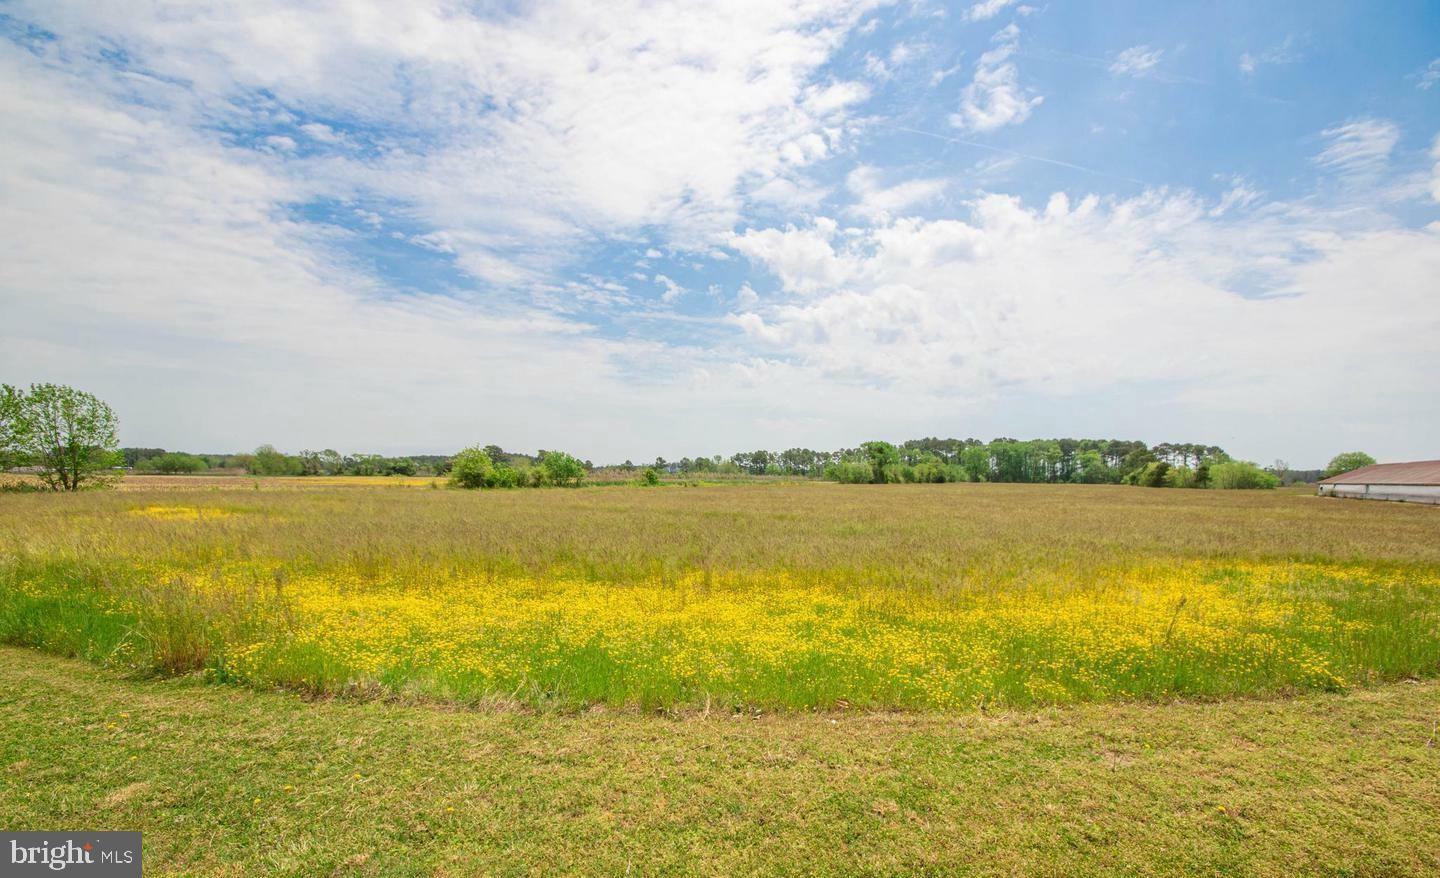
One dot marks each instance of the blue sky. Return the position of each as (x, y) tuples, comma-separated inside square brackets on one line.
[(633, 229)]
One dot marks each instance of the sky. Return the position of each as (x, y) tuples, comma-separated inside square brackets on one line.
[(637, 229)]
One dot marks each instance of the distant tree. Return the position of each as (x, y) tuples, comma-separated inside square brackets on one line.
[(559, 468), (132, 457), (472, 468), (173, 462), (270, 461), (976, 461), (401, 466), (1091, 468), (650, 477), (1349, 460), (851, 472), (1240, 474), (884, 460), (68, 435)]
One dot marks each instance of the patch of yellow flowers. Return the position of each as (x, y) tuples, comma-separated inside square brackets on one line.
[(783, 639), (181, 513)]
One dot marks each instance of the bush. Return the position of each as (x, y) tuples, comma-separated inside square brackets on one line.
[(471, 469), (559, 468), (504, 476), (852, 472), (650, 477), (1240, 474)]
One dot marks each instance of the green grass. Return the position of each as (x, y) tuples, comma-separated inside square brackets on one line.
[(262, 778), (787, 596), (225, 781)]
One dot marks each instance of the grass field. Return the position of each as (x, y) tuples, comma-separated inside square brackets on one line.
[(741, 679), (737, 597), (223, 781)]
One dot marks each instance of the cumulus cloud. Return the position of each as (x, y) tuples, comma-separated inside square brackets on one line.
[(995, 98), (1071, 297)]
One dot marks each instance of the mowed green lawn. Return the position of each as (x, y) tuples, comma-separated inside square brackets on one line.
[(227, 781), (381, 775)]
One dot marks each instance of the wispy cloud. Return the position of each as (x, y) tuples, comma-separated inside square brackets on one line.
[(1136, 61), (987, 9), (1361, 146), (1426, 77), (1283, 53)]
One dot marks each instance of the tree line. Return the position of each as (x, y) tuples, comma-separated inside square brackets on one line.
[(1041, 461), (67, 437)]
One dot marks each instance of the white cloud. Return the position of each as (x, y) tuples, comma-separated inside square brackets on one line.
[(1435, 171), (321, 132), (508, 130), (1136, 61), (874, 200), (1284, 53), (995, 98), (1074, 297), (986, 9), (673, 290), (1360, 146), (1427, 77)]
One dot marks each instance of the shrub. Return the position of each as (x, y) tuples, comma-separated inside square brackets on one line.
[(559, 468), (1240, 474), (852, 472), (650, 477), (504, 476), (471, 469)]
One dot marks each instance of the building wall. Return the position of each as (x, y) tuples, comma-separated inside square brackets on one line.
[(1406, 493)]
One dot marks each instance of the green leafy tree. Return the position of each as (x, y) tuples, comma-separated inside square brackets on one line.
[(12, 426), (650, 477), (1240, 475), (884, 461), (472, 469), (1349, 460), (270, 461), (976, 461), (559, 468), (68, 435), (173, 462)]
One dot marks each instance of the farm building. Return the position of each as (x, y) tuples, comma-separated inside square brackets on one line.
[(1415, 482)]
